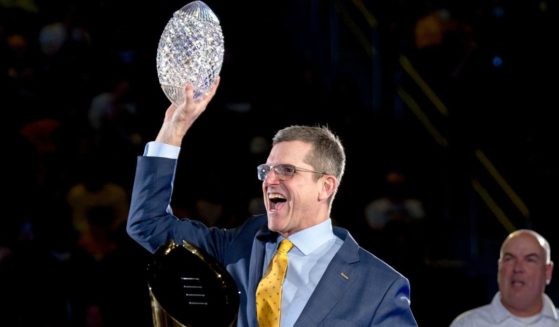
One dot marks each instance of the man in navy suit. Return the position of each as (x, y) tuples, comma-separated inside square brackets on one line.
[(330, 279)]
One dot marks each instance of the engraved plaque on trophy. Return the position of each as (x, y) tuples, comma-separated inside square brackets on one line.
[(190, 50), (189, 288)]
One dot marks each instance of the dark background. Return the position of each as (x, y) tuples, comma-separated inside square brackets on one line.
[(464, 111)]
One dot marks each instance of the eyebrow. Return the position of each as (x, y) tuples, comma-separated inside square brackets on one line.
[(529, 255)]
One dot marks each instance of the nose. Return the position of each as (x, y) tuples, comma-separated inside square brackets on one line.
[(518, 266), (272, 177)]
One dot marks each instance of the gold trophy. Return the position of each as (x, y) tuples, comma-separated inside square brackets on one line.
[(189, 288)]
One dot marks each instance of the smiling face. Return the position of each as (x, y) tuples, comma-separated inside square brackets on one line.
[(300, 201), (523, 274)]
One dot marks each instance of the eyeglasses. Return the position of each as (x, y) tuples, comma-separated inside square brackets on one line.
[(283, 171)]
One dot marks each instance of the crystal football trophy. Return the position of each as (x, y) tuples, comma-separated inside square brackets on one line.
[(189, 288), (190, 51)]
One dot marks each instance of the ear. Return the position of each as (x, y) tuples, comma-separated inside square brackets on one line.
[(329, 184), (548, 272)]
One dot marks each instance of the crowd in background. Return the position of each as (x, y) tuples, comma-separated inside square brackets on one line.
[(80, 98)]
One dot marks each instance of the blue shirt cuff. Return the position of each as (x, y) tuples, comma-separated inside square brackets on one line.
[(156, 149)]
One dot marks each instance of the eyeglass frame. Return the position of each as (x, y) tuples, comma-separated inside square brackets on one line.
[(284, 177)]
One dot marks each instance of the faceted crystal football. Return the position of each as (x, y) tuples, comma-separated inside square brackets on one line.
[(190, 51)]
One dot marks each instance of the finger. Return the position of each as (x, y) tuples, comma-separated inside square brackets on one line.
[(211, 92), (183, 99), (170, 111), (188, 93), (213, 89)]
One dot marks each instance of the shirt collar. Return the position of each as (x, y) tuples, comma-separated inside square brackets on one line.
[(501, 313), (549, 309), (498, 310), (309, 239)]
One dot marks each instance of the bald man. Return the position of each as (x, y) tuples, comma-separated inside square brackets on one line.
[(525, 269)]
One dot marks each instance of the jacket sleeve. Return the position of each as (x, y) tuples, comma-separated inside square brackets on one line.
[(151, 221), (395, 309)]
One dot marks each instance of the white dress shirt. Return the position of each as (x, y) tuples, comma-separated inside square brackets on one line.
[(495, 314)]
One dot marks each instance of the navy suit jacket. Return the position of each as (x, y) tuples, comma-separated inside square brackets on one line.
[(357, 288)]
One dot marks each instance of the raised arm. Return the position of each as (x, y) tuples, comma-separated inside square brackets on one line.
[(179, 118)]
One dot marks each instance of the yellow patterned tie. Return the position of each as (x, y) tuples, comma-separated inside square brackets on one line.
[(268, 293)]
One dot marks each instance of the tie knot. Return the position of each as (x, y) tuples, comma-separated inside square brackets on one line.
[(285, 246)]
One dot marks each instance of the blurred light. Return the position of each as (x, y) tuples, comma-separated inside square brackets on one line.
[(497, 61), (127, 56), (498, 11)]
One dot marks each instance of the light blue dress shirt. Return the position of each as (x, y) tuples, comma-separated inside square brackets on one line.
[(313, 249)]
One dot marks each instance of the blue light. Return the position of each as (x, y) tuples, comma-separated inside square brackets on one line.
[(497, 61), (498, 11)]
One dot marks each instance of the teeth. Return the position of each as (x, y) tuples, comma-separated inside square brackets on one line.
[(275, 196)]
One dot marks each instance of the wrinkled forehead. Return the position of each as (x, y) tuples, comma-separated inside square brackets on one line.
[(293, 152), (523, 244)]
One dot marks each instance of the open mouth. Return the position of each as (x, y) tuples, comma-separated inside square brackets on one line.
[(515, 282), (276, 200)]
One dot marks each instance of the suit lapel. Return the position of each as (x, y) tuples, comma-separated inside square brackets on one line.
[(336, 281), (256, 264)]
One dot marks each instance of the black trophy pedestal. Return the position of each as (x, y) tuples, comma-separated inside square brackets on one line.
[(190, 288)]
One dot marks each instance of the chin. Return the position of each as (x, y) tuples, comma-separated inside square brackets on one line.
[(274, 226)]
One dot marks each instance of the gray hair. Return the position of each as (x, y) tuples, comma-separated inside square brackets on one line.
[(327, 154)]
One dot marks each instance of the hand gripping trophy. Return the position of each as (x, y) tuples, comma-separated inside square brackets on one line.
[(187, 287), (190, 51)]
